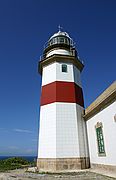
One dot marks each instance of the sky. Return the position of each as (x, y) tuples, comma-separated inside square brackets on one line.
[(25, 26)]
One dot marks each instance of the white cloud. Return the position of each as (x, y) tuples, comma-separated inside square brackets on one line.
[(22, 130), (3, 130), (13, 147)]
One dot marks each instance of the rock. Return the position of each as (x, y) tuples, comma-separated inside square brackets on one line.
[(32, 169)]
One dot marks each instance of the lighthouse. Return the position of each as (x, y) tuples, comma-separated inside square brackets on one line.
[(62, 141)]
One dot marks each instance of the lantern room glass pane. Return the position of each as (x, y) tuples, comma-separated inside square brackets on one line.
[(66, 41), (61, 39)]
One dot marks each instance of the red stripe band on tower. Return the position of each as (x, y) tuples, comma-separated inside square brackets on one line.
[(60, 91)]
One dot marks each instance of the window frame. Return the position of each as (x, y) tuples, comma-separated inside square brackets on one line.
[(100, 139), (64, 68)]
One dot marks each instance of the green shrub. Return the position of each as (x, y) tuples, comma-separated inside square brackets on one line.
[(13, 163)]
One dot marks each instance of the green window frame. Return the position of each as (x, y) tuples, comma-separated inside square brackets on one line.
[(64, 67), (100, 139)]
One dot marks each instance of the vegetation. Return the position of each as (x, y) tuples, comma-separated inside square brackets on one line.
[(14, 163)]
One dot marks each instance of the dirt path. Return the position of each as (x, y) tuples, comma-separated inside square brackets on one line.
[(20, 174)]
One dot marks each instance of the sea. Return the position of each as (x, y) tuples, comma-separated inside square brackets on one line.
[(29, 158)]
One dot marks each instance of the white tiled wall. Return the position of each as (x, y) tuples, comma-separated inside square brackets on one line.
[(49, 74), (77, 76), (106, 116), (66, 130), (62, 131), (53, 72), (47, 134), (82, 133)]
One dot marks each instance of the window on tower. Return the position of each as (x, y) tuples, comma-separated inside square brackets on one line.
[(64, 68)]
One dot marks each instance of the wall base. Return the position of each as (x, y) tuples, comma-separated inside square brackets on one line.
[(61, 164), (103, 167)]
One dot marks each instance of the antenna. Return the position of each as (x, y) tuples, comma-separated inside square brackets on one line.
[(59, 27)]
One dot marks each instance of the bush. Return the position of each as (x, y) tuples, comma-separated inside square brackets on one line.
[(13, 163)]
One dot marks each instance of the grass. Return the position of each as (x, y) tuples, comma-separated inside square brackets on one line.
[(14, 163)]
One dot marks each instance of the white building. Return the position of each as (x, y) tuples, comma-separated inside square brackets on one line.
[(63, 143), (100, 117)]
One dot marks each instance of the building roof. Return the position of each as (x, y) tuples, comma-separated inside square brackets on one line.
[(60, 33), (105, 99), (59, 39)]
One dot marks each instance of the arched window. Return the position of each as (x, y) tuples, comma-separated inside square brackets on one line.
[(64, 68)]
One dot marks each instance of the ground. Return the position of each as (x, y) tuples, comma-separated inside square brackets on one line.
[(20, 174)]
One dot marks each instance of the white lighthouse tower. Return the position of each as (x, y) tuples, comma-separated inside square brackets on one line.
[(62, 135)]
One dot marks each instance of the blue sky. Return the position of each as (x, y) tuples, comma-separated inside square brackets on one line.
[(25, 25)]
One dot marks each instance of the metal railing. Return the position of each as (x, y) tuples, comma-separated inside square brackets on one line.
[(59, 40)]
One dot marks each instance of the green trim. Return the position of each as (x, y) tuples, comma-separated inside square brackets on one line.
[(100, 141)]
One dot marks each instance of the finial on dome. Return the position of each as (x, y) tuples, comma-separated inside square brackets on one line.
[(59, 27)]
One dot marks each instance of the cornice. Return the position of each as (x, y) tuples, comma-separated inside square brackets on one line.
[(60, 58), (104, 100)]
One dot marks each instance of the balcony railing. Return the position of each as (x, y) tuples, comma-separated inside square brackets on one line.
[(59, 40), (73, 53)]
